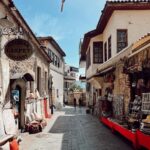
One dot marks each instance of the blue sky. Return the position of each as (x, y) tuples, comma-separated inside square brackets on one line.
[(68, 27)]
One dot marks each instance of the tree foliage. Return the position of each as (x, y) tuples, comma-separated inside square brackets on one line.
[(75, 87)]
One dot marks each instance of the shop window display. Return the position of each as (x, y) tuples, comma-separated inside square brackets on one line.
[(118, 107), (134, 113), (145, 124)]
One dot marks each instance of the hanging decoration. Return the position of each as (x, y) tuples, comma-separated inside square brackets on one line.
[(62, 5)]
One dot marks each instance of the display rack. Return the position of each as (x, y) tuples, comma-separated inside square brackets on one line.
[(146, 103), (128, 134)]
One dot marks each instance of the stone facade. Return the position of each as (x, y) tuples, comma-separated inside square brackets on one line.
[(29, 76)]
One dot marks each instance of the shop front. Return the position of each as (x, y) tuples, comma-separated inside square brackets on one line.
[(131, 114), (25, 80), (107, 77)]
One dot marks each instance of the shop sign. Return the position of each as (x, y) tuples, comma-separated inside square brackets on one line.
[(18, 49)]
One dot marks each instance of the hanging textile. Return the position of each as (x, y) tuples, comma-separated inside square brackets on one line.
[(9, 122), (39, 111), (34, 107)]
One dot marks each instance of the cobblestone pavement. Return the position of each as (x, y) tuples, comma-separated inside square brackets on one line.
[(72, 129)]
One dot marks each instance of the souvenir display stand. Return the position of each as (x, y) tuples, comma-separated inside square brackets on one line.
[(128, 134), (138, 129)]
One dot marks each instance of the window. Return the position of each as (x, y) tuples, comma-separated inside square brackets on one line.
[(55, 60), (88, 59), (58, 62), (98, 52), (46, 81), (109, 47), (57, 91), (121, 39), (39, 79), (49, 53), (66, 85), (105, 51), (72, 74)]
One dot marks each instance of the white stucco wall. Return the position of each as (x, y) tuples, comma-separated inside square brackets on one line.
[(57, 76), (58, 84), (137, 23), (92, 68), (61, 68)]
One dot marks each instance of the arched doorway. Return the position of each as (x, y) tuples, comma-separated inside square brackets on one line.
[(18, 89), (18, 93)]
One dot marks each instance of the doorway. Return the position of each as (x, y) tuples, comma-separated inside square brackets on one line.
[(16, 101), (18, 94)]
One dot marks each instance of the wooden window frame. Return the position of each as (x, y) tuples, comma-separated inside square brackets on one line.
[(126, 41), (88, 58), (99, 53), (109, 48), (105, 51)]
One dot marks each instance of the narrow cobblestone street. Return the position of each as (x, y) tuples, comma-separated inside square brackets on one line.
[(72, 129)]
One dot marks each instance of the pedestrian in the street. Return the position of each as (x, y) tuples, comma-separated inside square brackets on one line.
[(80, 102), (75, 102)]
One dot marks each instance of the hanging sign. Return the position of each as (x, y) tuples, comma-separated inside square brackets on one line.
[(18, 49)]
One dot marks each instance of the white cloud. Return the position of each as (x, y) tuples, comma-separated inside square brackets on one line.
[(46, 25)]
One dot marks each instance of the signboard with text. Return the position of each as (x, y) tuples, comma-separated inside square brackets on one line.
[(18, 49)]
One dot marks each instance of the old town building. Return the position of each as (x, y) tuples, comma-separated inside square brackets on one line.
[(70, 77), (57, 68), (117, 68), (24, 72), (111, 37)]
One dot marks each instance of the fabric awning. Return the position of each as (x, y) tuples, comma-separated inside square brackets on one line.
[(96, 82), (107, 70), (114, 60)]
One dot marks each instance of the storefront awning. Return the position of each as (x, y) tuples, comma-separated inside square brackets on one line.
[(27, 76), (95, 81), (107, 70), (116, 59)]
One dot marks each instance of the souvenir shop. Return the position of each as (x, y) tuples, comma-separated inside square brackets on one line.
[(133, 122)]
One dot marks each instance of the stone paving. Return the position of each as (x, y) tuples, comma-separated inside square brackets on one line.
[(72, 129)]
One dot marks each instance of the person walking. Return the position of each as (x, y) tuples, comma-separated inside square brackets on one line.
[(80, 102), (75, 103)]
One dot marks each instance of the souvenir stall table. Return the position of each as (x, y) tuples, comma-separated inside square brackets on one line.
[(143, 134), (138, 129), (117, 122)]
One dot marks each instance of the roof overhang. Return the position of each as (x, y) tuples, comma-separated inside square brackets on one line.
[(85, 43), (108, 10), (111, 6), (54, 43)]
